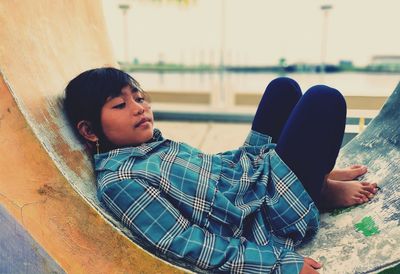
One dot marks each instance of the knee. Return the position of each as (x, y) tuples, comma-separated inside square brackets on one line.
[(326, 96), (285, 86)]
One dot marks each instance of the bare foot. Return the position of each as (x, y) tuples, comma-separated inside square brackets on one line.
[(346, 193), (348, 173)]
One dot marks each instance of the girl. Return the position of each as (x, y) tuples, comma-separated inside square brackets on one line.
[(243, 210)]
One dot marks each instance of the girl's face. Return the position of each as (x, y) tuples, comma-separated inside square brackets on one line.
[(127, 120)]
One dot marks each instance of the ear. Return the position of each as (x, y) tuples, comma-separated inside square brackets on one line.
[(85, 129)]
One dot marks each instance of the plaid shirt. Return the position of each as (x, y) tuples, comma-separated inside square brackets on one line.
[(241, 211)]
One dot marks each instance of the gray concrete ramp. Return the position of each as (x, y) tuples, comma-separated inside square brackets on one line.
[(19, 253)]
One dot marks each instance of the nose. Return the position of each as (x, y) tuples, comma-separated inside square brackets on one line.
[(137, 108)]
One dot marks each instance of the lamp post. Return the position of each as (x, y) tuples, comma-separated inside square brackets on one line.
[(222, 49), (125, 8), (325, 9), (222, 98)]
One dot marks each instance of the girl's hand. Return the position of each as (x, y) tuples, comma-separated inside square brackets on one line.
[(309, 266)]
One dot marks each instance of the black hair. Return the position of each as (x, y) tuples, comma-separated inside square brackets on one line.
[(86, 94)]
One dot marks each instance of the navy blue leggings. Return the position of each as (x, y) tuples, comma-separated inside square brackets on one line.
[(308, 129)]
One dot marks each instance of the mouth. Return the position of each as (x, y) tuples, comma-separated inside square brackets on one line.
[(142, 121)]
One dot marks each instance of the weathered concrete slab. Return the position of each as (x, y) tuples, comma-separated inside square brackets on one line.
[(366, 238), (19, 253), (209, 137)]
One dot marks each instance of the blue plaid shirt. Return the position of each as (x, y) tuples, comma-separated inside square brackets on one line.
[(241, 211)]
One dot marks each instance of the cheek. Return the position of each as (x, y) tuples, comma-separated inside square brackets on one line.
[(150, 113), (109, 123), (104, 119)]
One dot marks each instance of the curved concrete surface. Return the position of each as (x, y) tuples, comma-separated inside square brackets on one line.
[(43, 172)]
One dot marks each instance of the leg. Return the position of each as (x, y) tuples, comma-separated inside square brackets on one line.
[(310, 141), (279, 98)]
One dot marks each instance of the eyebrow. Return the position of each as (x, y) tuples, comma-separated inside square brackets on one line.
[(133, 91)]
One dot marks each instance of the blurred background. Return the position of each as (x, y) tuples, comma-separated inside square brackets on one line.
[(218, 55)]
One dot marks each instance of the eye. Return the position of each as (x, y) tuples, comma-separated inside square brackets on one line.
[(119, 106), (140, 100)]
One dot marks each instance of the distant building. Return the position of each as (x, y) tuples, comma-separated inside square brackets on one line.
[(346, 64), (385, 63)]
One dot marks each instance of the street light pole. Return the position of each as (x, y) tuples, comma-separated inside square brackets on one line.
[(222, 96), (125, 8), (324, 42), (222, 49)]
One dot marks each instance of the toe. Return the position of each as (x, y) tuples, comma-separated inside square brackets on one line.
[(359, 201), (365, 199), (362, 197), (366, 193), (369, 185)]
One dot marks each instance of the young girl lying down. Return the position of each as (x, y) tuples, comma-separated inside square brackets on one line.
[(240, 211)]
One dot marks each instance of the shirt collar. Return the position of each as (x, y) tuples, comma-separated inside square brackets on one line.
[(114, 158)]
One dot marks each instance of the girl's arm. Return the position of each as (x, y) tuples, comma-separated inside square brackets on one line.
[(144, 210)]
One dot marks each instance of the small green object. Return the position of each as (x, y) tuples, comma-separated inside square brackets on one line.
[(367, 227), (339, 211)]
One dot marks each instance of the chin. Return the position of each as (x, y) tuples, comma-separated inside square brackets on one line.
[(149, 135)]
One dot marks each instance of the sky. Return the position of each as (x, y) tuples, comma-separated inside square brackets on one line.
[(255, 32)]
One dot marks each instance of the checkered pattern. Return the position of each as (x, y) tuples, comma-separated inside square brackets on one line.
[(241, 211)]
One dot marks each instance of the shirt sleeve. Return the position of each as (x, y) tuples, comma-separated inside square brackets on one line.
[(150, 216)]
